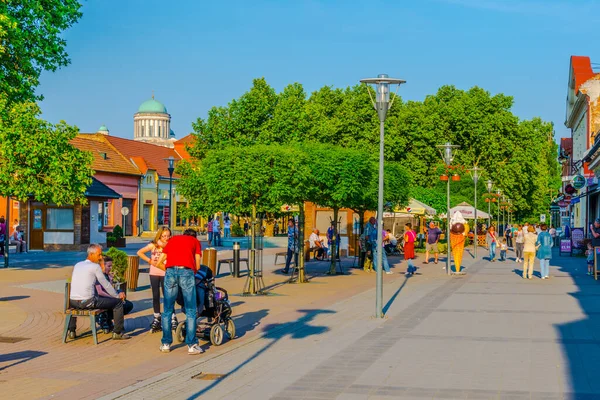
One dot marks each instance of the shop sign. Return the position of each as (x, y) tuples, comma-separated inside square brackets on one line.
[(577, 237), (565, 246), (579, 182)]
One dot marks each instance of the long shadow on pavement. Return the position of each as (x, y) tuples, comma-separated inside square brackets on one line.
[(298, 329), (391, 300), (19, 358), (580, 339)]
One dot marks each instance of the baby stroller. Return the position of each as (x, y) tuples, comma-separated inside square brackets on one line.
[(217, 312), (394, 250)]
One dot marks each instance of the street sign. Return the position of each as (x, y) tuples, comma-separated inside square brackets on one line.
[(124, 211), (542, 217)]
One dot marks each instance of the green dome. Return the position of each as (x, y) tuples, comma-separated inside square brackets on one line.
[(152, 106), (103, 128)]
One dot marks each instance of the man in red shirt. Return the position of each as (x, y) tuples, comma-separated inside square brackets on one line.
[(182, 255)]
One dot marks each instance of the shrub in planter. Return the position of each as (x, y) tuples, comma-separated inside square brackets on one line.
[(119, 263), (115, 238), (236, 230)]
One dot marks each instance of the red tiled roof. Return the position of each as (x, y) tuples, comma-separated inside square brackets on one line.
[(182, 144), (106, 157), (152, 155), (140, 163), (582, 70)]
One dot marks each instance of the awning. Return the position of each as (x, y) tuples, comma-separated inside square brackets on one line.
[(468, 211), (415, 207), (99, 190)]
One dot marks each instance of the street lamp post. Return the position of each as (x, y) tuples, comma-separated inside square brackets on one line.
[(447, 156), (498, 192), (382, 104), (489, 185), (475, 171), (503, 213), (171, 161)]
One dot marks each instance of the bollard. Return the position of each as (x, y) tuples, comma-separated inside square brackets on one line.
[(236, 259)]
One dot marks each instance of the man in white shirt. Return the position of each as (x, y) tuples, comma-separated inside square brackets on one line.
[(217, 231), (83, 291), (316, 244)]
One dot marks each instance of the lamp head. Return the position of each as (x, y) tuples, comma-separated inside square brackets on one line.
[(382, 92), (489, 185)]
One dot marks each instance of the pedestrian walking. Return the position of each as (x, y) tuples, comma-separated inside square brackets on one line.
[(209, 229), (371, 234), (519, 243), (409, 248), (227, 227), (433, 237), (292, 248), (182, 255), (529, 249), (492, 241), (508, 235), (503, 248), (157, 274), (544, 250), (217, 231)]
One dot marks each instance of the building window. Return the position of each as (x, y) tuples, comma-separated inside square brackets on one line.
[(100, 212), (59, 219), (149, 179), (106, 213)]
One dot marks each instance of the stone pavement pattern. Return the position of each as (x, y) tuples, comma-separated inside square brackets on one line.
[(34, 363), (487, 335)]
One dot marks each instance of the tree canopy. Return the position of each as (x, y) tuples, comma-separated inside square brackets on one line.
[(37, 160), (518, 155), (31, 41)]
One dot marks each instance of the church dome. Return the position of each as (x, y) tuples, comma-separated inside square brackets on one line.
[(152, 106)]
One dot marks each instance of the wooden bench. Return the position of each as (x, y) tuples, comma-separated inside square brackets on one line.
[(71, 312), (229, 261), (282, 254)]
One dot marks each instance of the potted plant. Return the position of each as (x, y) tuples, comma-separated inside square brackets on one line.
[(119, 264), (115, 238)]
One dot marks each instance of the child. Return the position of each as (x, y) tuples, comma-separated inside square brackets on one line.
[(590, 258), (368, 261), (503, 248)]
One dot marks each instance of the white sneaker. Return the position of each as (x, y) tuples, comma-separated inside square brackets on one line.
[(195, 349), (165, 348), (389, 272)]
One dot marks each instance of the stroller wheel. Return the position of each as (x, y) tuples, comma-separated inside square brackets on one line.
[(230, 328), (180, 332), (216, 335)]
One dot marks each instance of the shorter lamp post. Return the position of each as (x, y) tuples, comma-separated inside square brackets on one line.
[(171, 161), (475, 171), (447, 156), (489, 184)]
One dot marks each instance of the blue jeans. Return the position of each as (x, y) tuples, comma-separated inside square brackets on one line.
[(216, 238), (492, 251), (227, 232), (545, 267), (502, 255), (176, 278), (384, 261), (210, 238)]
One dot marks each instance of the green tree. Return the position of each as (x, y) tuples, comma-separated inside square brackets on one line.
[(31, 41), (36, 159)]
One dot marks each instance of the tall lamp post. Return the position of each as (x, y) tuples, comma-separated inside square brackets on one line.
[(382, 104), (447, 156), (171, 161), (475, 171), (489, 184)]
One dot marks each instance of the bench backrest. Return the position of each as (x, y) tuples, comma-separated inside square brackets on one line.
[(67, 296)]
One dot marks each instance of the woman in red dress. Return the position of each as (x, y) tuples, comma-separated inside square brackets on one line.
[(409, 248)]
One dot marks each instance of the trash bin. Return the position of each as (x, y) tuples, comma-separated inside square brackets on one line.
[(209, 258), (132, 272)]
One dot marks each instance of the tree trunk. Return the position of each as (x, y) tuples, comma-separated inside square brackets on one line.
[(334, 242)]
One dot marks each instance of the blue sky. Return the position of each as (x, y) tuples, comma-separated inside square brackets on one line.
[(197, 54)]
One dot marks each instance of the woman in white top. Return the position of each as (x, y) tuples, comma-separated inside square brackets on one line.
[(519, 243)]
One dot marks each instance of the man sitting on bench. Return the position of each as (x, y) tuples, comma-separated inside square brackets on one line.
[(316, 245), (83, 291)]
